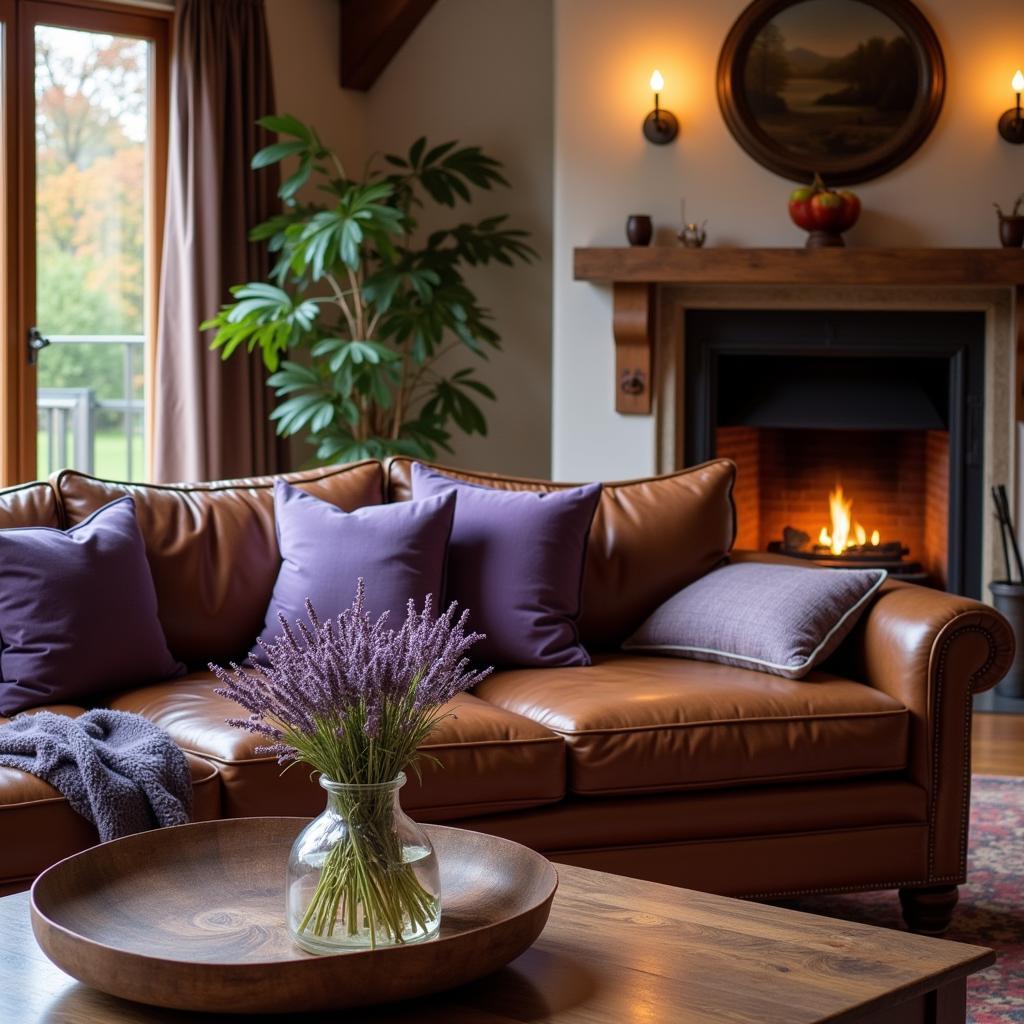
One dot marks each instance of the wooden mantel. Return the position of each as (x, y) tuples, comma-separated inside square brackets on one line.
[(634, 273)]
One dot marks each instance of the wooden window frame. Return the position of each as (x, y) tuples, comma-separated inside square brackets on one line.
[(18, 175)]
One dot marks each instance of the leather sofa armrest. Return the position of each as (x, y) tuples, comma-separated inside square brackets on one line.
[(912, 641), (933, 651)]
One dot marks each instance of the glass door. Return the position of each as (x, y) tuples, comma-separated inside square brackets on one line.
[(92, 113), (93, 137)]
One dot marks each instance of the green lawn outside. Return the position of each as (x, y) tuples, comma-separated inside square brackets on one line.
[(109, 459)]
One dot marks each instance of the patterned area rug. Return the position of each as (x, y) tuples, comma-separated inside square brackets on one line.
[(991, 907)]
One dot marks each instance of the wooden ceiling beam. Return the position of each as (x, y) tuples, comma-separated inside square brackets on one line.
[(372, 32)]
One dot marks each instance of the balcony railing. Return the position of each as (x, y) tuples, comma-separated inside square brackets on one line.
[(95, 433)]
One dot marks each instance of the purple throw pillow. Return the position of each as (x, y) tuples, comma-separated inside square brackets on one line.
[(399, 550), (781, 619), (78, 611), (516, 562)]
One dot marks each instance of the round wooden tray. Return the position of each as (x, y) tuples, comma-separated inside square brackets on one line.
[(192, 918)]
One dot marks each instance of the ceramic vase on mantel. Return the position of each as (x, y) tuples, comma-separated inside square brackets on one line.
[(363, 875), (1011, 225), (1011, 231), (639, 229)]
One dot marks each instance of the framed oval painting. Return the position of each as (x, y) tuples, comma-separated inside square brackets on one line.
[(844, 88)]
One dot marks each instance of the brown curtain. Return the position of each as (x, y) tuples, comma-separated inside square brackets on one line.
[(211, 417)]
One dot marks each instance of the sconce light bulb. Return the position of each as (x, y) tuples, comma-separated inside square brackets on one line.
[(1011, 123), (660, 125)]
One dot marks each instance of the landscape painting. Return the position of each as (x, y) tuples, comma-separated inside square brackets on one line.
[(831, 78)]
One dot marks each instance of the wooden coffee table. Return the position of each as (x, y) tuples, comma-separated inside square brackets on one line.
[(615, 950)]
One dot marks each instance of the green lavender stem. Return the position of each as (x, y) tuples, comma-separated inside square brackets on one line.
[(365, 882)]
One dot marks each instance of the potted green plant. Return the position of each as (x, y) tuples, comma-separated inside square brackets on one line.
[(362, 316)]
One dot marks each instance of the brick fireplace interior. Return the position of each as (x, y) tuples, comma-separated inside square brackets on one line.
[(897, 482), (886, 407)]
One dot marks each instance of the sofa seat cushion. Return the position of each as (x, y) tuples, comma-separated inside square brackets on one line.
[(490, 759), (212, 547), (41, 828), (636, 724)]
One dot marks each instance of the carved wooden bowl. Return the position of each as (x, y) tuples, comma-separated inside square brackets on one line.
[(192, 918)]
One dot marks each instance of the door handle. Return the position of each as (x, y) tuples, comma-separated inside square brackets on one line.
[(37, 341)]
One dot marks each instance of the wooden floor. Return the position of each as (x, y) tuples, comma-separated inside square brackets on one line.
[(998, 744)]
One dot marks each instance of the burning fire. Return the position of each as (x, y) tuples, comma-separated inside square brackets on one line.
[(846, 531)]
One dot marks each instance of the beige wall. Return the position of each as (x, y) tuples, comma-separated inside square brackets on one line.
[(304, 44), (479, 71), (604, 53)]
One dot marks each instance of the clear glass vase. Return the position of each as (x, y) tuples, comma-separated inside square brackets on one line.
[(363, 874)]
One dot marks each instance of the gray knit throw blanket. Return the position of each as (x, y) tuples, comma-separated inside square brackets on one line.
[(116, 768)]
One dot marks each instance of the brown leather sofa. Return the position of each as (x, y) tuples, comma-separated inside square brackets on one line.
[(696, 774)]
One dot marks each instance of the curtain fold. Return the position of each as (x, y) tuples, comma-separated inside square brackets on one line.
[(210, 416)]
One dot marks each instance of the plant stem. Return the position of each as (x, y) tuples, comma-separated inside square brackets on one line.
[(339, 297)]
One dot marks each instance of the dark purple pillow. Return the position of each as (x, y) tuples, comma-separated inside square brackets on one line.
[(78, 611), (399, 550), (516, 562)]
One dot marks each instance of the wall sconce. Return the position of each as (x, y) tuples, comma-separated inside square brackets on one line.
[(1011, 124), (660, 126)]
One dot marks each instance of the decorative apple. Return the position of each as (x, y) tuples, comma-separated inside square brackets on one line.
[(824, 213)]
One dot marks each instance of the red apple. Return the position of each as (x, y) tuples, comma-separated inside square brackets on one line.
[(851, 210), (827, 211), (800, 207)]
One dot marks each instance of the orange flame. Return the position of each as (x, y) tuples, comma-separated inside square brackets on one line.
[(845, 531)]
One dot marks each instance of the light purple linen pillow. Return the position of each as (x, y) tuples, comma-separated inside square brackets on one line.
[(78, 611), (516, 562), (781, 619), (399, 550)]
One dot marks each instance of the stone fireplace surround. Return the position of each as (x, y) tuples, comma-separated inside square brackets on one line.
[(1000, 442)]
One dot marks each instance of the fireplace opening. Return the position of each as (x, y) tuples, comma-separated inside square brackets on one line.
[(805, 492), (856, 436)]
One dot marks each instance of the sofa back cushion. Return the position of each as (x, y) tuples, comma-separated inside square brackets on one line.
[(212, 547), (649, 538), (78, 611), (399, 551), (29, 505)]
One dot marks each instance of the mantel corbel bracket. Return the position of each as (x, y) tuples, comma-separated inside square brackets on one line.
[(633, 329)]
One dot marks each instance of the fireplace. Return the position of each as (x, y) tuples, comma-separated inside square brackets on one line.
[(857, 435)]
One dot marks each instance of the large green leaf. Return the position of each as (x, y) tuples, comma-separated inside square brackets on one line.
[(446, 173), (263, 316), (276, 153), (286, 124)]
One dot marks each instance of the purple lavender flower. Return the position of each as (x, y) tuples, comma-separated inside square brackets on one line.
[(353, 697)]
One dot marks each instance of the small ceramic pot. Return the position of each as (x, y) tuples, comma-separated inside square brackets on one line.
[(1011, 231), (639, 229)]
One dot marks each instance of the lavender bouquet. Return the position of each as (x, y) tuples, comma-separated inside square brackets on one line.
[(354, 699)]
